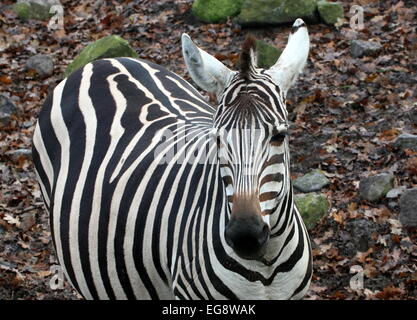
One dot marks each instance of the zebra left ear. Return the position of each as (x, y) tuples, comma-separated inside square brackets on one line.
[(206, 71), (293, 58)]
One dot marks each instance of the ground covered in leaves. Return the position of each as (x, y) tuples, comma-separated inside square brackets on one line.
[(346, 113)]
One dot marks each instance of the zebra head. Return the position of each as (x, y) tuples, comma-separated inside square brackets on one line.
[(251, 128)]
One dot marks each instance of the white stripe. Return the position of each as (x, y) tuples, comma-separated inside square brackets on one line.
[(62, 135), (90, 121)]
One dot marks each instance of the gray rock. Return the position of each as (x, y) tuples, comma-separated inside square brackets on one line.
[(35, 9), (42, 64), (407, 141), (312, 181), (361, 231), (15, 155), (408, 208), (7, 109), (395, 193), (375, 187), (413, 116), (360, 48)]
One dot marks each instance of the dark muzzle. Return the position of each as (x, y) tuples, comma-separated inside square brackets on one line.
[(247, 236)]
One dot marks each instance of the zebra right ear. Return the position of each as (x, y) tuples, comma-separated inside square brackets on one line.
[(293, 58), (206, 71)]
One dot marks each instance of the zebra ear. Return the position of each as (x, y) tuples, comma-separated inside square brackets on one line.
[(206, 71), (293, 58)]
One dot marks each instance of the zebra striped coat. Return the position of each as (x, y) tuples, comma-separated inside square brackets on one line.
[(128, 167)]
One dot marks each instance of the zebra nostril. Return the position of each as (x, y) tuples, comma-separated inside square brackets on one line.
[(264, 235), (247, 237)]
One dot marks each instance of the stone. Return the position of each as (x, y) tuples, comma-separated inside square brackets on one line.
[(266, 12), (312, 207), (360, 48), (108, 47), (375, 187), (330, 11), (267, 55), (7, 110), (408, 208), (35, 9), (214, 11), (361, 231), (407, 141), (17, 154), (395, 193), (312, 181), (42, 64), (413, 116)]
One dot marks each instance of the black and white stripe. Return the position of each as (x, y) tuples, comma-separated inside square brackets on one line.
[(139, 192)]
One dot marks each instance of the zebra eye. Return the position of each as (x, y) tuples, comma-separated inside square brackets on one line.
[(278, 138)]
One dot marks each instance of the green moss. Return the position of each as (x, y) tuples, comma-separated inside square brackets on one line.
[(312, 207), (32, 11), (330, 11), (108, 47), (276, 11), (267, 55), (214, 11)]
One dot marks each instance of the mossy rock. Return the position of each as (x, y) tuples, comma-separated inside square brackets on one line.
[(312, 207), (264, 12), (32, 10), (330, 11), (108, 47), (214, 11), (266, 55)]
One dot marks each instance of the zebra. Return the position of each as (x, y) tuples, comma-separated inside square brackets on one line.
[(153, 193)]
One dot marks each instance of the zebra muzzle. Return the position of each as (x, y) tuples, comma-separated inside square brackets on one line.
[(248, 236)]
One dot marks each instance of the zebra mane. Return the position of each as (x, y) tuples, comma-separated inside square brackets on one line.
[(247, 58)]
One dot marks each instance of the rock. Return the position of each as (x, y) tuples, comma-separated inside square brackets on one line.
[(17, 154), (312, 207), (408, 208), (35, 9), (413, 116), (7, 110), (361, 231), (330, 11), (42, 64), (407, 141), (375, 187), (267, 55), (214, 11), (312, 181), (360, 48), (108, 47), (395, 193), (264, 12)]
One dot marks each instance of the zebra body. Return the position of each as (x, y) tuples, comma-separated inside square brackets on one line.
[(128, 165)]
